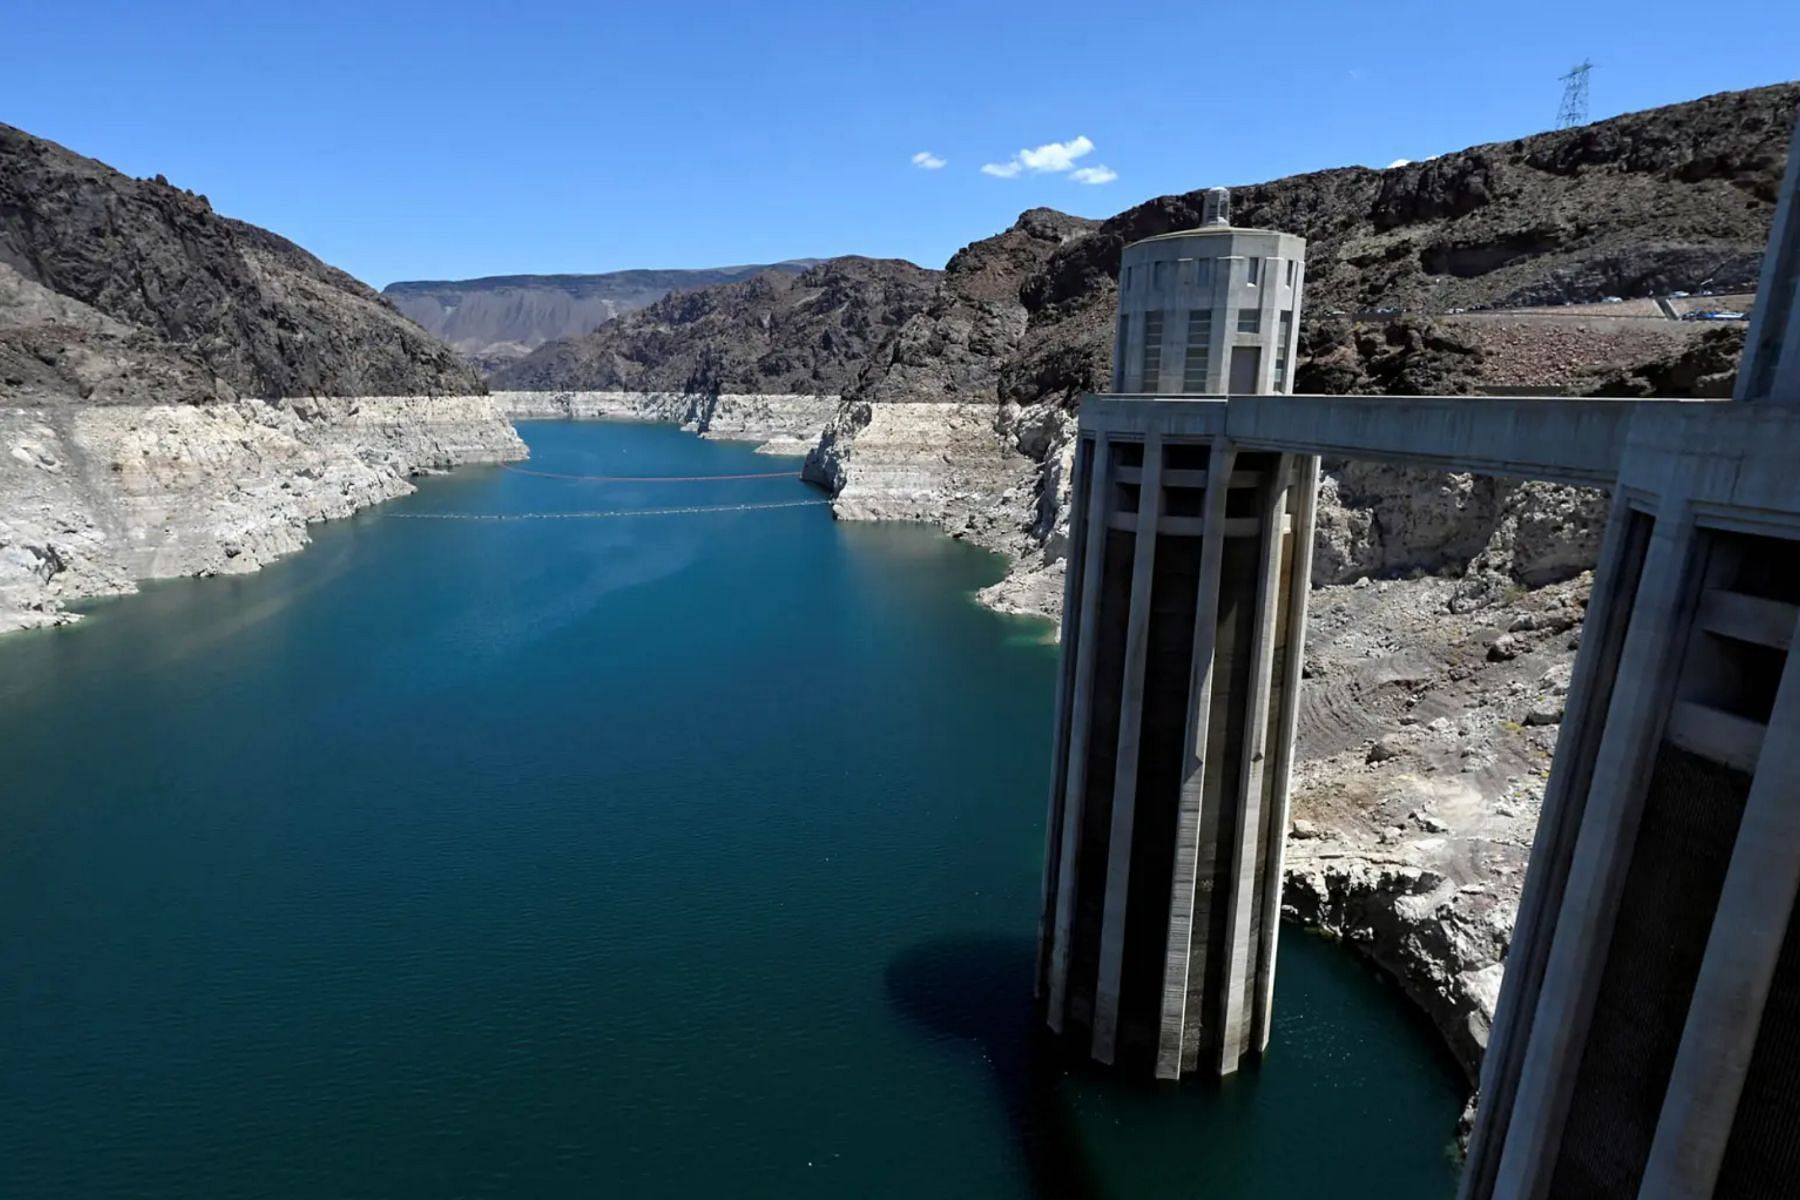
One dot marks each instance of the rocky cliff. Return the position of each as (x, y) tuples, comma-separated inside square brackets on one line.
[(181, 393), (499, 319)]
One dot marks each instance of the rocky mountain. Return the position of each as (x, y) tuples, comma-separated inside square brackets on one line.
[(183, 393), (499, 318), (1672, 198), (261, 315), (772, 333), (954, 346)]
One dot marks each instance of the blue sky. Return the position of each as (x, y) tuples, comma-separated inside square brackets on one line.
[(404, 140)]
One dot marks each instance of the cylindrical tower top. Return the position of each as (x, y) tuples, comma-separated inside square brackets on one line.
[(1209, 311)]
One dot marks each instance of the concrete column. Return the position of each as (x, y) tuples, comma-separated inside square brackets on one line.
[(1131, 712), (1666, 600), (1281, 754), (1074, 782), (1242, 899), (1132, 372), (1268, 303), (1748, 930), (1218, 362), (1177, 1043), (1059, 754), (1169, 364), (1565, 800)]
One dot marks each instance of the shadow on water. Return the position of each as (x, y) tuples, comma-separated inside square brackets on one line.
[(978, 988)]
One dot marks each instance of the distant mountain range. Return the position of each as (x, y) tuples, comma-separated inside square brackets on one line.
[(499, 318), (773, 332)]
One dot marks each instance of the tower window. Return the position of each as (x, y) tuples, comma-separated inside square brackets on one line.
[(1293, 269), (1249, 320), (1159, 274), (1199, 346), (1153, 330), (1203, 272), (1253, 271)]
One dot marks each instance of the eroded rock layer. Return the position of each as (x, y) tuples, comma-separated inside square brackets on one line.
[(782, 423), (94, 498)]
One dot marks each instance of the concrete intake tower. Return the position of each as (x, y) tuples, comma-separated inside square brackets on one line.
[(1183, 621)]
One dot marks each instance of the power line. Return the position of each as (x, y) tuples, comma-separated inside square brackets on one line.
[(1574, 108)]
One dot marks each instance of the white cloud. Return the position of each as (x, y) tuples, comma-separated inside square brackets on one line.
[(925, 160), (1049, 159), (1094, 175), (1398, 162), (1056, 156)]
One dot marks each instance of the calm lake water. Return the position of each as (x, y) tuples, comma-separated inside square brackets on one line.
[(651, 855)]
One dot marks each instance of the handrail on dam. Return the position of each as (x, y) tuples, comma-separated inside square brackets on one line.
[(1556, 438)]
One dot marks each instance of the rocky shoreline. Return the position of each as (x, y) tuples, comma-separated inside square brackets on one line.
[(95, 498)]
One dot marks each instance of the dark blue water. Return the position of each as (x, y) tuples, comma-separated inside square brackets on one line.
[(650, 855)]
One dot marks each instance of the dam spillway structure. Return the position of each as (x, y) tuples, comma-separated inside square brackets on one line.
[(1184, 610)]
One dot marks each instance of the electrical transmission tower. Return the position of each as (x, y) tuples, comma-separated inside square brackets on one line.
[(1574, 108)]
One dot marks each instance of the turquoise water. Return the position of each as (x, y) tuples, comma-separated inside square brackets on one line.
[(658, 855)]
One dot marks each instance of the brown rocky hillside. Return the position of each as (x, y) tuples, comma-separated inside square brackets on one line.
[(955, 346), (132, 290), (1671, 198)]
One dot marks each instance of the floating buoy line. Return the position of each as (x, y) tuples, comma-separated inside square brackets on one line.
[(607, 515), (647, 478)]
